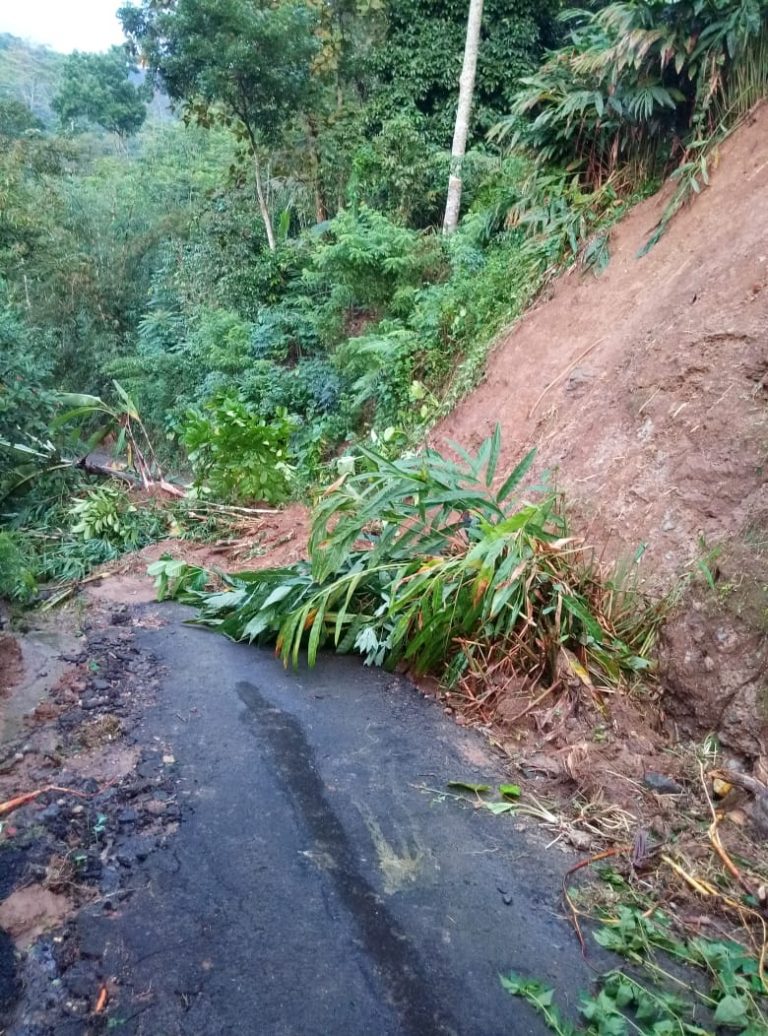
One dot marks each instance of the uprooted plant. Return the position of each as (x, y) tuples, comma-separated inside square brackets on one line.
[(428, 561), (95, 421), (719, 990)]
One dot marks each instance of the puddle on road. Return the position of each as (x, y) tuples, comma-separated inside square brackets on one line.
[(386, 943), (41, 668)]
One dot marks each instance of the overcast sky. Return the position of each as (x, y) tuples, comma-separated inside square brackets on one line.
[(63, 25)]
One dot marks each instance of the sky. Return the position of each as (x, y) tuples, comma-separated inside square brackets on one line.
[(63, 25)]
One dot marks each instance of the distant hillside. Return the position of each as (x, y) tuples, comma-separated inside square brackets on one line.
[(29, 73)]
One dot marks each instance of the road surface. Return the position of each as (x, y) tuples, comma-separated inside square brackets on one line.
[(320, 883)]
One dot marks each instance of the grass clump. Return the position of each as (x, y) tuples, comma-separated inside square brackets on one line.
[(427, 561)]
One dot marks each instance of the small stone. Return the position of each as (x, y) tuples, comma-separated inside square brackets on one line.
[(110, 880), (168, 760), (662, 784), (125, 856), (128, 817), (579, 376), (134, 850), (81, 980)]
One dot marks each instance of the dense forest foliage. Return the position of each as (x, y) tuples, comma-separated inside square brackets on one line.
[(223, 239)]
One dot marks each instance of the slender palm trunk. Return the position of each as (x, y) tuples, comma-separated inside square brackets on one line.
[(463, 112)]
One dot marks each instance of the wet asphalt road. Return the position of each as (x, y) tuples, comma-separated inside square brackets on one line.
[(316, 886)]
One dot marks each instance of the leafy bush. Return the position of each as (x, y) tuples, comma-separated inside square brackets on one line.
[(715, 986), (401, 173), (422, 560), (107, 513), (636, 79), (375, 365), (236, 454), (369, 261), (65, 557), (26, 403)]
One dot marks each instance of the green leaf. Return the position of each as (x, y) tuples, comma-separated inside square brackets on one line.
[(497, 808), (510, 790), (732, 1012), (469, 786)]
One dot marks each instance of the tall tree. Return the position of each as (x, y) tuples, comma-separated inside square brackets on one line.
[(98, 88), (416, 62), (245, 63), (463, 112)]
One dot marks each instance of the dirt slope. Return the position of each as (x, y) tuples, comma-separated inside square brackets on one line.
[(657, 424), (645, 390)]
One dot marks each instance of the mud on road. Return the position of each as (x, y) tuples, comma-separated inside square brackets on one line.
[(70, 725), (241, 849)]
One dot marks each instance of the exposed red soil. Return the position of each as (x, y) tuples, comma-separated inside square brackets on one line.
[(30, 911), (275, 540), (645, 389), (645, 392)]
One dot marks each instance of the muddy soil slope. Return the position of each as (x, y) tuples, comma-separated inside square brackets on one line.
[(645, 392)]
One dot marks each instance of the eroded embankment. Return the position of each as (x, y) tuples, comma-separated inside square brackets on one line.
[(645, 392)]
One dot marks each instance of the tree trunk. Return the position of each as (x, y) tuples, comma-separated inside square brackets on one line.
[(321, 213), (463, 111), (263, 209)]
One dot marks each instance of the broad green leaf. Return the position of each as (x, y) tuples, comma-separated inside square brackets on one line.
[(498, 808), (731, 1012), (517, 475)]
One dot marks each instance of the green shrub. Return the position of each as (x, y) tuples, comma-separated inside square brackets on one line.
[(26, 403), (107, 513), (236, 454), (399, 172), (370, 262), (17, 570)]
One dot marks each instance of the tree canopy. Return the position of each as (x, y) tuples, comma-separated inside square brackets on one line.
[(100, 89), (228, 59)]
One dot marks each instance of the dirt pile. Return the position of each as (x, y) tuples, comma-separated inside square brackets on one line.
[(280, 538), (645, 391), (11, 662)]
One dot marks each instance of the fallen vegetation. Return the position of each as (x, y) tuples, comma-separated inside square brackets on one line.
[(420, 561)]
